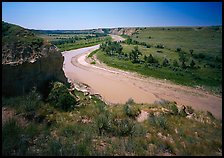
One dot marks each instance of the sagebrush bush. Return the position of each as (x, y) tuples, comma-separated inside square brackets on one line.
[(159, 122), (130, 101), (131, 110), (103, 123), (123, 127)]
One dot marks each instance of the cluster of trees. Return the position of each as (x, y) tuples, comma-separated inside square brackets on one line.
[(63, 41), (150, 59), (115, 49), (112, 48), (134, 55), (88, 39), (183, 58)]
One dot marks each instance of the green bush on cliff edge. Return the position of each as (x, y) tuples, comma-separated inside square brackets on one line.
[(60, 97)]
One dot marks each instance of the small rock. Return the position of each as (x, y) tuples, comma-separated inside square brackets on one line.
[(176, 131)]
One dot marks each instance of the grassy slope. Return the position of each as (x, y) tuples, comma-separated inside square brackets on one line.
[(205, 40), (65, 133)]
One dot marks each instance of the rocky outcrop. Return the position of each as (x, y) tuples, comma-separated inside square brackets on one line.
[(123, 31), (19, 79), (28, 61)]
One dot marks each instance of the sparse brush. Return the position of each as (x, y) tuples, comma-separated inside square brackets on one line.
[(130, 101), (159, 122), (131, 110)]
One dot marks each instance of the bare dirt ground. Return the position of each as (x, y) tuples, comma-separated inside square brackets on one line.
[(117, 86)]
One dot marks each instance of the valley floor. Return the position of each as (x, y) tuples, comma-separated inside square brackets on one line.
[(116, 86)]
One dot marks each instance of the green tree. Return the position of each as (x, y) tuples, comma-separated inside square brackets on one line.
[(150, 59), (192, 64), (178, 49), (145, 58), (175, 63), (183, 59), (165, 62), (191, 51), (134, 55), (129, 40)]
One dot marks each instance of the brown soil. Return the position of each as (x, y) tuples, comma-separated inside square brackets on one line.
[(8, 113)]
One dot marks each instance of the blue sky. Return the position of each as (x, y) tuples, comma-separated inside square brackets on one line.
[(88, 15)]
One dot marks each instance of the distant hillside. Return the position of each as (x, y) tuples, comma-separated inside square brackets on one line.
[(89, 31), (20, 45), (117, 31)]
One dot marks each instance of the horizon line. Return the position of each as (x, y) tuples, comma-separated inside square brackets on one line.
[(118, 27)]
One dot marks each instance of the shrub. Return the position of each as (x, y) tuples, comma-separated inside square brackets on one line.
[(152, 60), (189, 109), (182, 112), (134, 55), (93, 62), (130, 101), (175, 63), (60, 97), (129, 40), (31, 103), (139, 130), (210, 115), (11, 133), (131, 110), (68, 130), (159, 51), (103, 123), (192, 64), (173, 108), (123, 127), (191, 52), (55, 147), (178, 49), (159, 122), (160, 46), (165, 62)]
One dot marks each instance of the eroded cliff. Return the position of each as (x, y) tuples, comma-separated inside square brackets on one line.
[(27, 62)]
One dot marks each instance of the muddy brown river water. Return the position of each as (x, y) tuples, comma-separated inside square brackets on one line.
[(117, 86)]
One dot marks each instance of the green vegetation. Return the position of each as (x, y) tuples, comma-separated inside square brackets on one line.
[(176, 54), (94, 128), (92, 53), (59, 96), (68, 41)]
